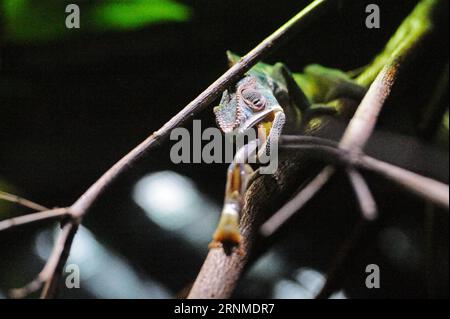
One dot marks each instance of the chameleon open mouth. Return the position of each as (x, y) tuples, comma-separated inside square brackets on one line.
[(259, 117)]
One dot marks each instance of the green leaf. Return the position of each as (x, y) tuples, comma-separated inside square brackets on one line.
[(30, 21), (135, 14)]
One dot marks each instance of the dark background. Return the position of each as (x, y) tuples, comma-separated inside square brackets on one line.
[(71, 107)]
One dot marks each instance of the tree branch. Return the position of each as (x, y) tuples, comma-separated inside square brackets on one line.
[(427, 188), (295, 204), (366, 202), (57, 213), (21, 201), (53, 267)]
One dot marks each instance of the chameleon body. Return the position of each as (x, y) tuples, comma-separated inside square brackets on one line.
[(269, 99)]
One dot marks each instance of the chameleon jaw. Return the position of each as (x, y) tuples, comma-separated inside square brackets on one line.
[(259, 117)]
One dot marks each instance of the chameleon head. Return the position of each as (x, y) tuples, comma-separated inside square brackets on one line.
[(250, 103)]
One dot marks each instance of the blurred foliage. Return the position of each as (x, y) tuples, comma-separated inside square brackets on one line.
[(134, 14), (28, 21), (443, 131), (445, 121)]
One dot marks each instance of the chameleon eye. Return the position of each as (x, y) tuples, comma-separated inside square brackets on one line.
[(254, 99)]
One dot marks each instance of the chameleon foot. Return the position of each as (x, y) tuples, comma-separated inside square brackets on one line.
[(215, 244), (227, 247), (227, 232)]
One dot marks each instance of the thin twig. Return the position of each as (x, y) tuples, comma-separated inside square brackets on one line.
[(28, 289), (328, 154), (306, 139), (21, 201), (53, 266), (424, 187), (57, 213), (303, 197), (366, 202)]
